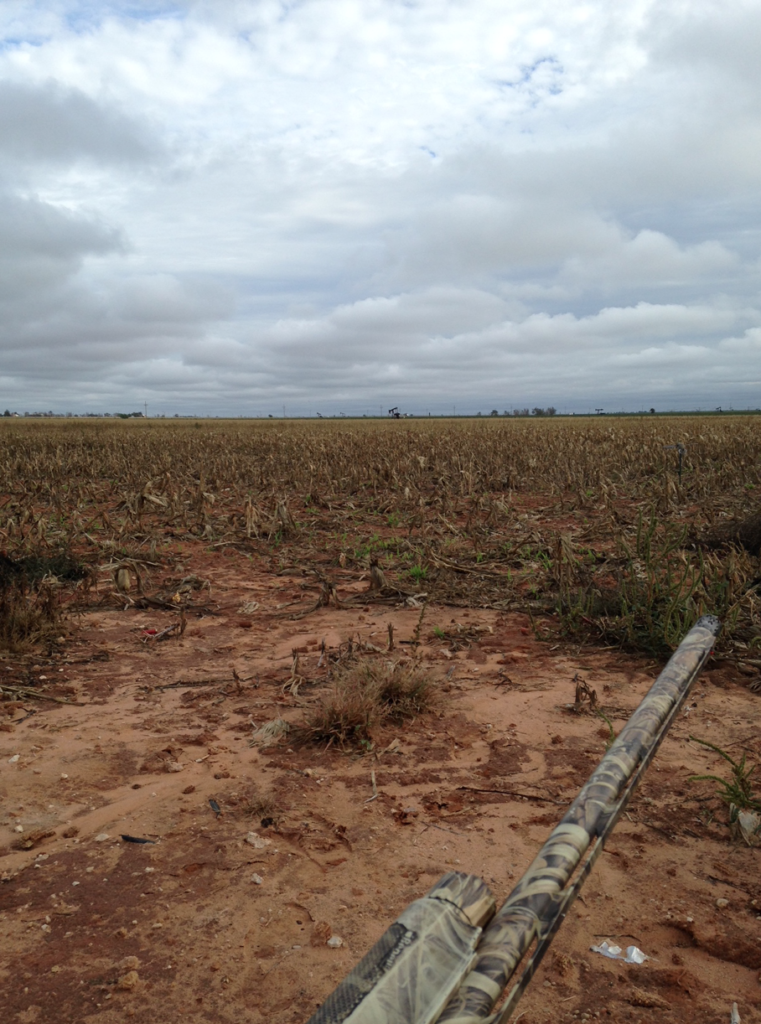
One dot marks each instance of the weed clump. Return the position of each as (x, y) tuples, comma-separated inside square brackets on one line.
[(30, 604), (745, 533), (256, 804), (364, 696), (737, 793), (27, 617), (658, 592)]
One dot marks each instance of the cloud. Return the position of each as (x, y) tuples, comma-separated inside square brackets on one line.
[(348, 204), (650, 259), (40, 248), (50, 123)]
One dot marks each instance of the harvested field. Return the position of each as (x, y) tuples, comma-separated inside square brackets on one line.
[(194, 616)]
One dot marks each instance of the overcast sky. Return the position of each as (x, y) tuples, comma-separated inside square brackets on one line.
[(232, 207)]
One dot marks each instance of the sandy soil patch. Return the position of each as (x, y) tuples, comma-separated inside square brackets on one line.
[(226, 916)]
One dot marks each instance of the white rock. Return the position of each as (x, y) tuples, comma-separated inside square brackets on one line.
[(257, 879), (19, 828), (258, 842), (335, 941), (102, 837), (750, 827), (14, 759)]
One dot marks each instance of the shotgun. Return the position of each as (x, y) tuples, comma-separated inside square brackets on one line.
[(450, 956)]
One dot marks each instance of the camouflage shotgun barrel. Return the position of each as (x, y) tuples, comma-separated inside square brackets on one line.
[(449, 957)]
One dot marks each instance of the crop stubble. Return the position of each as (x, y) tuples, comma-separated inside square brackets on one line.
[(588, 518)]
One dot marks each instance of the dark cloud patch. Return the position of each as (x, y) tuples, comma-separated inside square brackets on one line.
[(84, 325), (49, 122), (41, 247), (30, 228)]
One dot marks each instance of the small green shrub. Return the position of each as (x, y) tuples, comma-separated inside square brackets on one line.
[(737, 792)]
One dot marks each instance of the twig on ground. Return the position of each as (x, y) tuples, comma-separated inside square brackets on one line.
[(375, 788), (514, 792), (26, 692)]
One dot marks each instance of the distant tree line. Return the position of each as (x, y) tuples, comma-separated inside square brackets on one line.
[(82, 415), (536, 411)]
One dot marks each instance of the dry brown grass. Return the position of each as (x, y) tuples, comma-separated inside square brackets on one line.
[(256, 804), (363, 696), (31, 597), (27, 617)]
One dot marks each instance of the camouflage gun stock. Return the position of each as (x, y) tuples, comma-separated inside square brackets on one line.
[(449, 956)]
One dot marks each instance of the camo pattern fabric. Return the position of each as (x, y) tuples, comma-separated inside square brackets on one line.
[(412, 970), (530, 908)]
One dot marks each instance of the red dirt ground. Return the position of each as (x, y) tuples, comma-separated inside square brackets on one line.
[(98, 929)]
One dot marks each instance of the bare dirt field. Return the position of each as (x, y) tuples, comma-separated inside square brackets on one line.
[(227, 916), (192, 829)]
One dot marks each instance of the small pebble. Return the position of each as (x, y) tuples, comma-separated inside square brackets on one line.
[(14, 759), (257, 879), (101, 837), (721, 903), (335, 941)]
